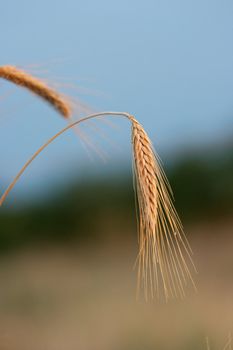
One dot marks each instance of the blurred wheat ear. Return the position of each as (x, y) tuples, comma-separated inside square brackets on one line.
[(164, 253), (36, 86)]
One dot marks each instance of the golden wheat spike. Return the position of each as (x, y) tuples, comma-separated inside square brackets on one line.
[(164, 253), (163, 249), (35, 85)]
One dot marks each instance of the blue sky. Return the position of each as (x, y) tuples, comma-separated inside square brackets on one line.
[(168, 62)]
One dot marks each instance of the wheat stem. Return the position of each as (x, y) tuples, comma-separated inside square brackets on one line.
[(91, 116)]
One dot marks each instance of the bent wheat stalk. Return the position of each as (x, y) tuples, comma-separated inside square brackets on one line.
[(35, 85), (164, 253)]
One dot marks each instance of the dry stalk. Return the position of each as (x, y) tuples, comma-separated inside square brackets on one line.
[(164, 253), (35, 85)]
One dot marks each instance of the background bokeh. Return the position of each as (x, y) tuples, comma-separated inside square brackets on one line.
[(68, 239)]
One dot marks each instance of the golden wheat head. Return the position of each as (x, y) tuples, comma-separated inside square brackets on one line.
[(35, 85), (164, 253), (162, 243)]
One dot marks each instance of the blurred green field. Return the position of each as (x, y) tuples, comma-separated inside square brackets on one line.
[(87, 210)]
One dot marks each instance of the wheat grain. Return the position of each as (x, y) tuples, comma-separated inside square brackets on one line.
[(164, 252), (35, 85)]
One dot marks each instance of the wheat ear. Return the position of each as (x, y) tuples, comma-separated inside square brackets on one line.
[(35, 85), (164, 253)]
